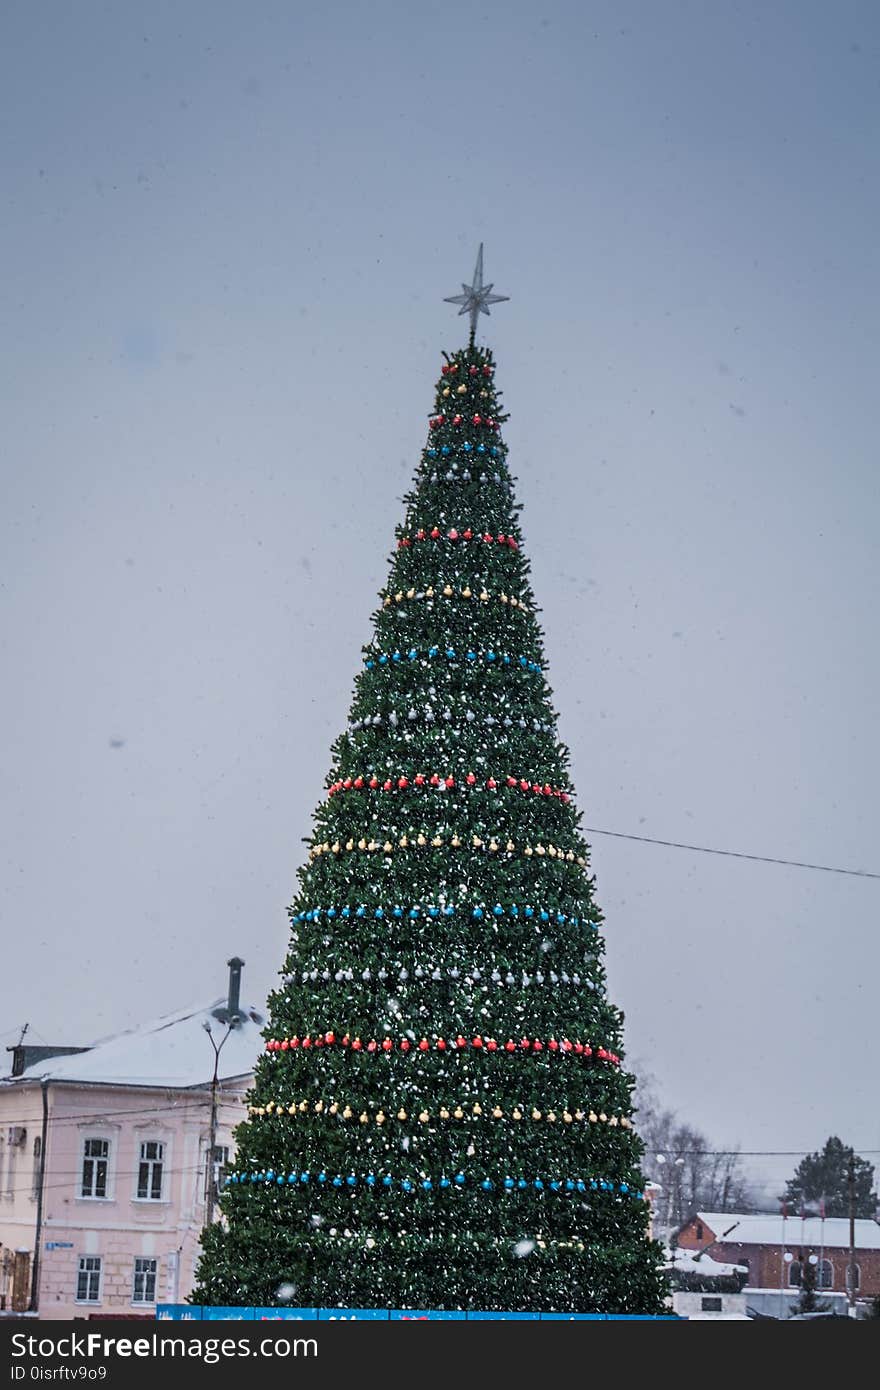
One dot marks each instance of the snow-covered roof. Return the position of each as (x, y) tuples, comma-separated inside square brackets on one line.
[(767, 1229), (172, 1051), (685, 1261)]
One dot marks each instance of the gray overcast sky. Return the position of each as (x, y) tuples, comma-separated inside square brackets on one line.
[(227, 230)]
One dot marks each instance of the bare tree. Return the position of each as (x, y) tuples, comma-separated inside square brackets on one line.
[(694, 1175)]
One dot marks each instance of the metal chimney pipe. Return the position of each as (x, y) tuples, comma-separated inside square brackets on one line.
[(233, 1012)]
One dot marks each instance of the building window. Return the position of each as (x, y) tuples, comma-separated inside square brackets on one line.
[(152, 1161), (144, 1286), (96, 1160), (853, 1277), (16, 1138), (88, 1279), (711, 1305), (699, 1230), (37, 1168), (825, 1275), (221, 1163), (795, 1274)]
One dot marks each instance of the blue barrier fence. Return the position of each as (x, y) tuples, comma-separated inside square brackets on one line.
[(185, 1312)]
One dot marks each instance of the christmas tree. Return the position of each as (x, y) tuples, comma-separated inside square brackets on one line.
[(441, 1118)]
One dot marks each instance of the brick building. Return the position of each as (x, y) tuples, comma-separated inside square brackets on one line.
[(774, 1252)]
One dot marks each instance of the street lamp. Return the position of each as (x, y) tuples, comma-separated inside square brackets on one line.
[(210, 1181)]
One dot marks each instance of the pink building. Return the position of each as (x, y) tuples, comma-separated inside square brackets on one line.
[(104, 1160)]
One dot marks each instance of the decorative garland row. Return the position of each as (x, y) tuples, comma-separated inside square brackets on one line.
[(443, 782), (435, 534), (419, 973), (488, 421), (429, 715), (448, 592), (503, 659), (508, 1184), (459, 1044), (452, 474), (550, 1117), (542, 914), (422, 841), (449, 368)]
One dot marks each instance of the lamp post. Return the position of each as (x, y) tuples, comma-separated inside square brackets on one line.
[(210, 1183)]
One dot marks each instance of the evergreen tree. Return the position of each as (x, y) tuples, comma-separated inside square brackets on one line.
[(825, 1177), (808, 1302), (441, 1117)]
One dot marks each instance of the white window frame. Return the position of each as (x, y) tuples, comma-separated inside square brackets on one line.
[(89, 1302), (824, 1263), (162, 1161), (87, 1137), (220, 1165), (144, 1274)]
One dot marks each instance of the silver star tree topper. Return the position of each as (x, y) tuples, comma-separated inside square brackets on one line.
[(476, 297)]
